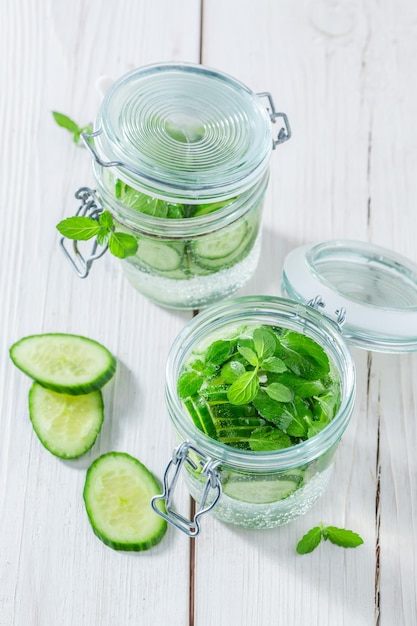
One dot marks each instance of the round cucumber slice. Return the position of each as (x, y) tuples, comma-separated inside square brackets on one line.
[(117, 493), (264, 490), (159, 255), (64, 363), (221, 244), (66, 425)]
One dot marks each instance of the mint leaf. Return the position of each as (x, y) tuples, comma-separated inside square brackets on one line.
[(189, 383), (267, 438), (303, 356), (309, 541), (279, 392), (77, 227), (232, 370), (249, 355), (106, 220), (273, 411), (302, 387), (244, 389), (218, 352), (265, 343), (65, 122), (122, 245), (342, 537), (339, 536), (273, 364)]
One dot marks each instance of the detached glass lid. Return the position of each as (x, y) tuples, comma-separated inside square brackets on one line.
[(373, 289), (185, 130)]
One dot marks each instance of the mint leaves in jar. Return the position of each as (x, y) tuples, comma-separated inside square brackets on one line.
[(266, 389)]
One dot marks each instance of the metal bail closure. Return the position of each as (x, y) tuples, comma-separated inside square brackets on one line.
[(340, 314), (209, 469), (284, 132), (90, 207)]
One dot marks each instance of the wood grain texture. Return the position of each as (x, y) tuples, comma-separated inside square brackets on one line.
[(348, 172)]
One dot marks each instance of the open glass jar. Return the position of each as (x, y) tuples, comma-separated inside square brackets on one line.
[(341, 291), (180, 158), (257, 489)]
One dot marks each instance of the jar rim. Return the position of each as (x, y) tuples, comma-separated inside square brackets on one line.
[(239, 311), (183, 227), (184, 129)]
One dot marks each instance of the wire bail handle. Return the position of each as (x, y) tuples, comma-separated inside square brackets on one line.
[(318, 302), (90, 207), (284, 132), (180, 456)]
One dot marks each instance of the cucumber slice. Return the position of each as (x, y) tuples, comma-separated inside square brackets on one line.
[(263, 491), (220, 245), (159, 255), (64, 363), (117, 493), (66, 425), (201, 415)]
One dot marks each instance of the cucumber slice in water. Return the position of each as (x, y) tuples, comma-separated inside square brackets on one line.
[(220, 245), (263, 491), (159, 255), (117, 493), (64, 363), (66, 425)]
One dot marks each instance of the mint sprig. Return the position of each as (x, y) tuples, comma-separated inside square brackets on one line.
[(82, 228), (258, 374), (66, 122), (339, 536)]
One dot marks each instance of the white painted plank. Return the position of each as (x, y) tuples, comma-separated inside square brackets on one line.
[(343, 174), (52, 567)]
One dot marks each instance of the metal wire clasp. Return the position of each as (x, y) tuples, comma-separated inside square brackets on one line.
[(90, 207), (209, 469), (284, 132), (318, 302)]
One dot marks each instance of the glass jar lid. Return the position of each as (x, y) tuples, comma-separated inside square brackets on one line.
[(374, 287), (180, 130)]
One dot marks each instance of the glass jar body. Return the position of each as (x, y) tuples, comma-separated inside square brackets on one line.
[(190, 262), (261, 489)]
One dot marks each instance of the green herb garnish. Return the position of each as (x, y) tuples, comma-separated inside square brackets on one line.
[(81, 228), (66, 122), (280, 378), (339, 536)]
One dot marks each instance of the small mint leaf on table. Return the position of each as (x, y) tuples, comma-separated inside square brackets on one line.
[(339, 536), (310, 540), (80, 228), (65, 122), (122, 245), (342, 537)]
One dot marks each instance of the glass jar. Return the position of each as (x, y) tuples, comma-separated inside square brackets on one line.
[(180, 159), (338, 292), (243, 487)]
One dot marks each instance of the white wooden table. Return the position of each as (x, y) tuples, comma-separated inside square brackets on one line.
[(349, 171)]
